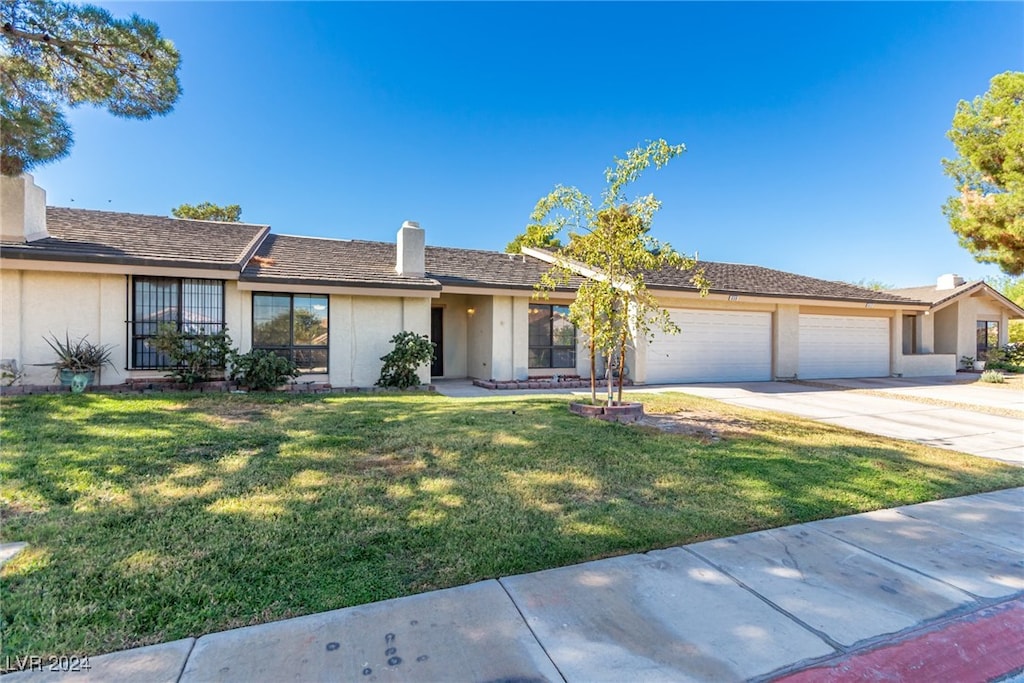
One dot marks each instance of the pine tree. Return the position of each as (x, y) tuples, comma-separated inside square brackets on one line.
[(988, 212), (207, 211), (57, 55)]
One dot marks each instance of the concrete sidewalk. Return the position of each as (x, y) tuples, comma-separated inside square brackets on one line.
[(924, 592)]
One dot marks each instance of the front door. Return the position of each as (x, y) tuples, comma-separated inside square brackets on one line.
[(437, 336)]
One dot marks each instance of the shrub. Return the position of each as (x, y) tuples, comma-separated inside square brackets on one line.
[(80, 355), (411, 351), (1014, 353), (262, 370), (194, 357), (993, 376), (1009, 358)]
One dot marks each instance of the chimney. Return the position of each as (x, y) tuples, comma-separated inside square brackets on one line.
[(411, 241), (22, 209), (949, 281)]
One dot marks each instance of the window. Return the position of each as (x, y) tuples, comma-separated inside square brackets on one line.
[(193, 306), (293, 326), (988, 337), (552, 337)]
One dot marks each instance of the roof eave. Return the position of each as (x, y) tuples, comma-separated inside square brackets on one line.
[(425, 286), (906, 303), (56, 256)]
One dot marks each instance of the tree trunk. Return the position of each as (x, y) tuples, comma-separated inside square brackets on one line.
[(593, 354), (622, 361)]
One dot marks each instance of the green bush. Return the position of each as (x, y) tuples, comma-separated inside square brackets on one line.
[(993, 376), (1014, 353), (411, 351), (1009, 358), (262, 370), (194, 357)]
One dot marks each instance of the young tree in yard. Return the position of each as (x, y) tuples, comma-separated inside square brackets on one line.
[(612, 245), (56, 54), (988, 212), (207, 211)]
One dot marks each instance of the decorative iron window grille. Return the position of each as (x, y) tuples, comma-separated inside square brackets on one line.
[(192, 305)]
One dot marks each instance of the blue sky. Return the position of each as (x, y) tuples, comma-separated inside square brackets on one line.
[(814, 130)]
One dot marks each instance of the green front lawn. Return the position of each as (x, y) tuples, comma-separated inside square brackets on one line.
[(158, 517)]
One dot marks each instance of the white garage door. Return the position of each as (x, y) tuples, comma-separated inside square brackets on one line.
[(712, 346), (842, 346)]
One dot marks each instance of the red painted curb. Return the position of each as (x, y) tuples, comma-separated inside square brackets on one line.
[(977, 647)]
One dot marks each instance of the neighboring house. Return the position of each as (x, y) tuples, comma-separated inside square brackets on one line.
[(963, 319), (333, 305)]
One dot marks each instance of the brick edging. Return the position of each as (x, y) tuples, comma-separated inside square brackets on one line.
[(540, 384)]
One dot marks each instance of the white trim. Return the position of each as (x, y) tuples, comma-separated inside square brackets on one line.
[(225, 273), (311, 288)]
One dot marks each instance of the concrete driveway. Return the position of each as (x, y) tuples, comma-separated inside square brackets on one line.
[(895, 414)]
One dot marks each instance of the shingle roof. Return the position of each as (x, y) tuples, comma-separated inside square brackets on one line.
[(937, 297), (126, 238), (290, 259), (932, 294), (109, 237), (736, 278), (477, 268)]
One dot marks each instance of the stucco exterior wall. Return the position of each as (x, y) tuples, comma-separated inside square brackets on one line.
[(238, 316), (966, 333), (502, 338), (945, 326), (786, 341), (956, 325), (479, 335), (520, 332), (415, 319), (360, 330), (929, 365), (10, 315), (37, 304), (925, 332)]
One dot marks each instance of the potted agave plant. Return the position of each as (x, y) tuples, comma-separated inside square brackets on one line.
[(78, 361)]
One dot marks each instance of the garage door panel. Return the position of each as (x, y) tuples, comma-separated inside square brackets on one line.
[(712, 346), (833, 346)]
